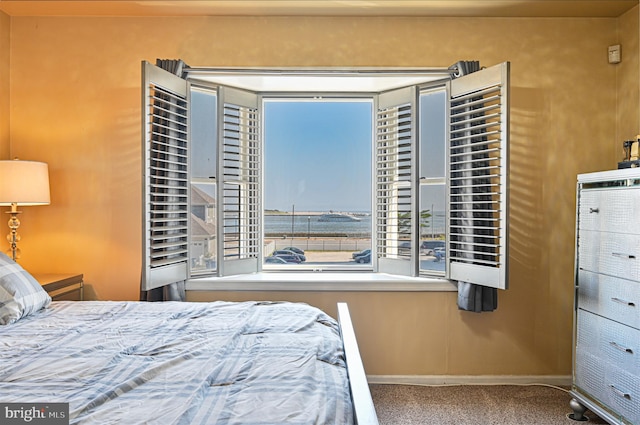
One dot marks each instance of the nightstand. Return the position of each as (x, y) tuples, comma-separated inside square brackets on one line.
[(62, 287)]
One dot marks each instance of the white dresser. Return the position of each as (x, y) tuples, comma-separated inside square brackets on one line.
[(606, 358)]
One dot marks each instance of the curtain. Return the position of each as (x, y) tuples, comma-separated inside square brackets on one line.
[(476, 298), (472, 297), (172, 292), (174, 66)]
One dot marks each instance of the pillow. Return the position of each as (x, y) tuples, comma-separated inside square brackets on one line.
[(20, 294)]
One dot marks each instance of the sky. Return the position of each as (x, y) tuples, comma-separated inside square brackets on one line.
[(318, 155)]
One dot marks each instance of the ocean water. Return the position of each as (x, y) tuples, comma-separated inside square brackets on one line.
[(280, 225), (276, 225)]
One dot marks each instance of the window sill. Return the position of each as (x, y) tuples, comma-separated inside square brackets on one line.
[(320, 282)]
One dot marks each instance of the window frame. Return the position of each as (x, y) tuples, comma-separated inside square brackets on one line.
[(356, 279)]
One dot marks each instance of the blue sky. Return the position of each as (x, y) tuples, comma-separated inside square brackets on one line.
[(318, 155)]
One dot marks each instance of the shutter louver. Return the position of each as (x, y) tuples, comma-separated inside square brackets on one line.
[(478, 183), (166, 188), (395, 221), (241, 156)]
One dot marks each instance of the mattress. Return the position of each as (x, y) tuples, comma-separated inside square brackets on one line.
[(179, 363)]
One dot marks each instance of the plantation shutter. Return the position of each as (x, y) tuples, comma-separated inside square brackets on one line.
[(240, 160), (478, 177), (165, 109), (395, 175)]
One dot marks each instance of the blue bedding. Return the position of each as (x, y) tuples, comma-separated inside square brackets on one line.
[(179, 363)]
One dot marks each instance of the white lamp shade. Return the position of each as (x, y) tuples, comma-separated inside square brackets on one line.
[(24, 183)]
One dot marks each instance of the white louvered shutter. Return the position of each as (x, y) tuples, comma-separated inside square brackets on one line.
[(478, 177), (395, 182), (240, 157), (165, 109)]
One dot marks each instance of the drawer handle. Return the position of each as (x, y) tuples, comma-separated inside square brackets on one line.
[(620, 347), (620, 393), (625, 256), (621, 301), (594, 210)]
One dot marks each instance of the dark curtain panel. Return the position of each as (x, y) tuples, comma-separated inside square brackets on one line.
[(174, 66), (472, 297), (476, 298), (172, 292)]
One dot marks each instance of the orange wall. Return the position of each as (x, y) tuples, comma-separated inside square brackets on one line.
[(5, 26), (628, 83), (75, 103)]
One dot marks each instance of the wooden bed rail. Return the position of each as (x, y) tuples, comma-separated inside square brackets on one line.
[(364, 411)]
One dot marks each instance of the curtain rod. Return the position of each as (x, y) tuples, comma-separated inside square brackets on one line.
[(321, 71)]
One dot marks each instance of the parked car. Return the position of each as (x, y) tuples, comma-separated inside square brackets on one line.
[(428, 247), (274, 260), (294, 249), (289, 252), (439, 253), (404, 248), (289, 258), (360, 253), (366, 258)]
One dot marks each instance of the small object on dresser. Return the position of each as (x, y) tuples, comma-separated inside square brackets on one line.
[(631, 159), (629, 164), (62, 287)]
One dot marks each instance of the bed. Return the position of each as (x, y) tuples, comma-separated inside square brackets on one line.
[(179, 362)]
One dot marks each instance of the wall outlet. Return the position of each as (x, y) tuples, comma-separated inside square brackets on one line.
[(614, 54)]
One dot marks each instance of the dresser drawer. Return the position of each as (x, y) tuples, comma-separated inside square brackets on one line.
[(611, 341), (607, 364), (612, 210), (612, 297), (622, 392), (615, 254), (589, 375), (610, 386)]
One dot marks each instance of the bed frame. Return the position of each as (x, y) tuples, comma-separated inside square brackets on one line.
[(363, 409)]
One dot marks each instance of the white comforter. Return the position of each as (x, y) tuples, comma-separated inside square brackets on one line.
[(179, 363)]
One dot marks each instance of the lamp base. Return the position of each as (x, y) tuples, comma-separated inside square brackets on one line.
[(13, 236)]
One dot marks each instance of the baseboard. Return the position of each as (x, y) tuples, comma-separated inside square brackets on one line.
[(434, 380)]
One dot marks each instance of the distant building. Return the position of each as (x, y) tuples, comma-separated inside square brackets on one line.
[(203, 229)]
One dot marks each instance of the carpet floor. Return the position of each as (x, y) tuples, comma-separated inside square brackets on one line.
[(474, 405)]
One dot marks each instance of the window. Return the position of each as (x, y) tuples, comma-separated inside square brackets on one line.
[(317, 182), (432, 169), (203, 249), (436, 178)]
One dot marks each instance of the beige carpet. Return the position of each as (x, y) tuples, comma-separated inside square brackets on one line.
[(474, 405)]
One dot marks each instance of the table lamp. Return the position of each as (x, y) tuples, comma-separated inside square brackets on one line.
[(22, 183)]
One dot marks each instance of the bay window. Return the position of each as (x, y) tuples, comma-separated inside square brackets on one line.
[(435, 185)]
